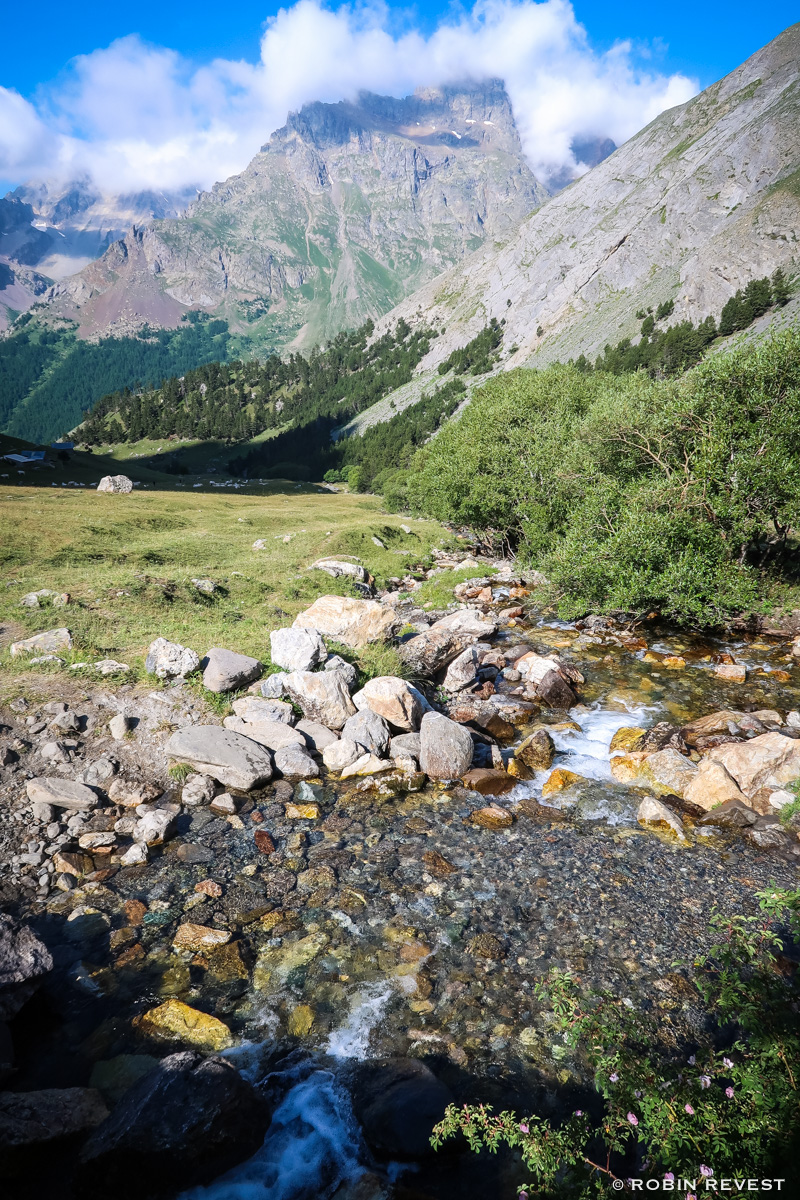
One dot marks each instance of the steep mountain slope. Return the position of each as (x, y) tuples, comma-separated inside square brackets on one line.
[(50, 231), (701, 201), (347, 209)]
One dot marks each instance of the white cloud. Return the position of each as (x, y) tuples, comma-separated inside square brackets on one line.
[(133, 115)]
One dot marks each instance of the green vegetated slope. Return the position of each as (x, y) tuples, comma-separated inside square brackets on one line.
[(49, 378)]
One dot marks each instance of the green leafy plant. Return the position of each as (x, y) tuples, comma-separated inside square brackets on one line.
[(729, 1108)]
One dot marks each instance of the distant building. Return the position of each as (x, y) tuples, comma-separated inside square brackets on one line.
[(62, 445), (25, 456)]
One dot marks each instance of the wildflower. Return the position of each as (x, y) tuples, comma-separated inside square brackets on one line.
[(729, 1092), (669, 1177), (634, 1120), (688, 1108), (706, 1171), (578, 1112), (524, 1129), (726, 1062), (691, 1196), (614, 1077), (705, 1081), (638, 1095), (692, 1060)]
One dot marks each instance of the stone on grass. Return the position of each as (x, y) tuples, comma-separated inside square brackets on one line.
[(61, 793), (322, 695), (253, 708), (49, 642), (336, 567), (317, 736), (110, 666), (297, 649), (206, 586), (655, 815), (353, 622), (272, 734), (115, 483), (32, 599), (233, 760), (198, 790), (169, 660), (295, 761), (224, 670), (392, 698), (368, 729), (445, 747), (341, 754)]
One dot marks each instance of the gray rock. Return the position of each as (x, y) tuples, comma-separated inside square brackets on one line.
[(405, 745), (295, 761), (115, 483), (733, 814), (24, 962), (462, 671), (394, 699), (336, 567), (230, 758), (169, 660), (110, 666), (223, 670), (43, 811), (317, 736), (49, 642), (445, 747), (369, 730), (322, 695), (347, 670), (119, 726), (353, 622), (341, 754), (297, 649), (98, 773), (61, 793), (34, 1118), (54, 752), (397, 1103), (176, 1127), (253, 708), (198, 790), (274, 686), (206, 586), (33, 599), (271, 734), (154, 827)]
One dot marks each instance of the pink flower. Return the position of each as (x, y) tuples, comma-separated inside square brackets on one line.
[(522, 1195), (726, 1062), (691, 1196), (706, 1171), (614, 1077), (578, 1112), (705, 1081), (729, 1092), (669, 1177), (524, 1129), (638, 1095), (634, 1120), (692, 1060), (688, 1108)]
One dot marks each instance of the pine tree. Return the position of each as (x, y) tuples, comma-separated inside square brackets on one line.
[(780, 289)]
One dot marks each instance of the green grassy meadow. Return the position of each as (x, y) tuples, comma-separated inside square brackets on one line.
[(127, 562)]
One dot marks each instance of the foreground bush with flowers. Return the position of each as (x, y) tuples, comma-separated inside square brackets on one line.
[(726, 1106)]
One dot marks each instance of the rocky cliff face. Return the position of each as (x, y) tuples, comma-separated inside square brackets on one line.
[(701, 201), (345, 211), (48, 232)]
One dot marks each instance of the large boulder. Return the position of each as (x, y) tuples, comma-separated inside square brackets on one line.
[(24, 962), (223, 670), (672, 772), (115, 483), (322, 695), (767, 761), (272, 734), (429, 652), (712, 786), (178, 1127), (297, 649), (61, 793), (228, 757), (392, 698), (49, 642), (353, 622), (397, 1103), (168, 660), (445, 747), (32, 1118), (368, 729)]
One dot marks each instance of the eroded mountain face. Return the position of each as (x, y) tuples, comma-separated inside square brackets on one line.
[(701, 201), (347, 209)]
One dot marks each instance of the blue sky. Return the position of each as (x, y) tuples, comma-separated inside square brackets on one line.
[(175, 97)]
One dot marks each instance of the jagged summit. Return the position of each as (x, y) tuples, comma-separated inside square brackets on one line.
[(347, 208)]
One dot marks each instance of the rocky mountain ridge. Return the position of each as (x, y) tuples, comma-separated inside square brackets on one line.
[(704, 199), (347, 208)]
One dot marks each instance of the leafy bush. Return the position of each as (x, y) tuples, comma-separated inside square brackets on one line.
[(630, 492), (727, 1109)]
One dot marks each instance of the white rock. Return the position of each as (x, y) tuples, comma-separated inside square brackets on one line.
[(272, 734), (168, 660), (322, 695), (368, 764), (369, 729), (110, 666), (198, 790), (135, 854), (253, 708), (115, 483), (394, 699), (297, 649), (341, 754), (153, 828), (462, 671), (353, 622), (317, 736), (47, 643), (119, 725), (61, 793), (295, 761)]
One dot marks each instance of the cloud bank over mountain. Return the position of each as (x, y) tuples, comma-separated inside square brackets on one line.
[(134, 115)]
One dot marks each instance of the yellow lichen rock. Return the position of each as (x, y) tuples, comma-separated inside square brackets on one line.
[(175, 1021), (559, 780)]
